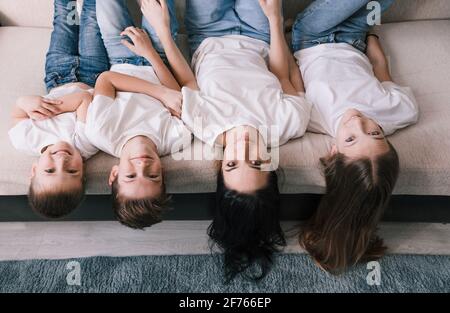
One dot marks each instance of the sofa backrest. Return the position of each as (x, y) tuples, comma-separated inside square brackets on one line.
[(38, 13)]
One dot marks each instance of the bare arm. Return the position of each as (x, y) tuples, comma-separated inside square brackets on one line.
[(40, 108), (182, 71), (296, 75), (83, 108), (378, 59), (279, 54), (111, 82), (108, 83), (18, 115), (161, 70), (142, 46), (157, 14), (71, 102), (36, 108)]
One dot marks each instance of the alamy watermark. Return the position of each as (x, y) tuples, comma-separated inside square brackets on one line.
[(73, 18), (374, 276), (374, 17), (73, 278)]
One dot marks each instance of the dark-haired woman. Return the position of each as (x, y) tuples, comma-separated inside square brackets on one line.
[(243, 100), (354, 100)]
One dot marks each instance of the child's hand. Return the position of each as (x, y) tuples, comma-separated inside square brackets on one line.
[(142, 44), (173, 101), (157, 14), (39, 108), (272, 8)]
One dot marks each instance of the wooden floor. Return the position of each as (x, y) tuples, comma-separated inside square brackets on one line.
[(61, 240)]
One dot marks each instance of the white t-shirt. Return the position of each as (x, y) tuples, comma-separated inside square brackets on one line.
[(338, 77), (111, 123), (32, 136), (237, 89)]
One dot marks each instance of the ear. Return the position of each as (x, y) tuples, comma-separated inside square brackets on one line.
[(334, 150), (113, 175), (33, 170)]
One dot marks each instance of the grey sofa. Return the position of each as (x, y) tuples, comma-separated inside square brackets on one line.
[(416, 37)]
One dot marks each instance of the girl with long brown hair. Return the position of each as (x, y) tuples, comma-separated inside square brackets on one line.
[(346, 77)]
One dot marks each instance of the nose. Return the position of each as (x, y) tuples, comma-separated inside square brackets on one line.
[(141, 162), (60, 162)]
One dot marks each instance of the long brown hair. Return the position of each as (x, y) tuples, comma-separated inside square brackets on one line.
[(342, 232)]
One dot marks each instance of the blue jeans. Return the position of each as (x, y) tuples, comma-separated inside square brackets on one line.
[(113, 17), (216, 18), (76, 52), (330, 21)]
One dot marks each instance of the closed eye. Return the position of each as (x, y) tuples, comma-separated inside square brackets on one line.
[(50, 170)]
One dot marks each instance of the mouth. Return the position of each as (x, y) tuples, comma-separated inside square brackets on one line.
[(142, 158), (61, 152), (354, 117)]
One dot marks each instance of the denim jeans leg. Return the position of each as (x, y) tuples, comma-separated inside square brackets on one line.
[(173, 27), (113, 17), (254, 22), (210, 18), (354, 30), (93, 56), (62, 57), (320, 20)]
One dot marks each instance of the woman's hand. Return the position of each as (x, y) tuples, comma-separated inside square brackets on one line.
[(173, 101), (39, 108), (272, 9), (142, 45), (157, 14)]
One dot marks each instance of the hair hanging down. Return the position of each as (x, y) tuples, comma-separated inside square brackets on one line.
[(139, 213), (55, 203), (342, 232), (247, 228)]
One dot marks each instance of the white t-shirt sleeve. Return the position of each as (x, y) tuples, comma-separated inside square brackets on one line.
[(96, 119), (84, 145), (27, 137), (302, 109), (402, 109), (203, 116)]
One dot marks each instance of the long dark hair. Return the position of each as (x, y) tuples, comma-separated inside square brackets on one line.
[(342, 232), (247, 228)]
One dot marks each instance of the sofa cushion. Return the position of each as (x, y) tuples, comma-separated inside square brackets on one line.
[(418, 53)]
